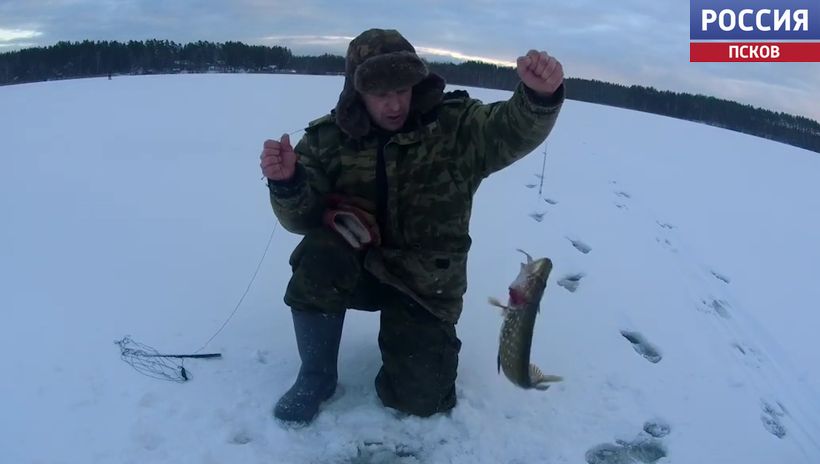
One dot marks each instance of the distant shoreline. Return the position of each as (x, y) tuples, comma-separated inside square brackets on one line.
[(87, 59)]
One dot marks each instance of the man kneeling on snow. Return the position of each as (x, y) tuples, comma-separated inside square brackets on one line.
[(382, 189)]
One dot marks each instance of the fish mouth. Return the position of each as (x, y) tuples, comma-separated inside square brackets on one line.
[(528, 285)]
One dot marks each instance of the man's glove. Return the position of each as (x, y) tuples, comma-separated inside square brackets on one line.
[(350, 217)]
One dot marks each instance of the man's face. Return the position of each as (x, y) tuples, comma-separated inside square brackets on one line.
[(389, 110)]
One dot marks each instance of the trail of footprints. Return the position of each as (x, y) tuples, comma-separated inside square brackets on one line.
[(648, 446), (650, 449), (770, 416), (572, 281)]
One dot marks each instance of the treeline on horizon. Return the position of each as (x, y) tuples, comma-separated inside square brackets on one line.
[(66, 60)]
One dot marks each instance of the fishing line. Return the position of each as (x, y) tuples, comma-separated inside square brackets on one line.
[(289, 134), (543, 168), (148, 361), (258, 266)]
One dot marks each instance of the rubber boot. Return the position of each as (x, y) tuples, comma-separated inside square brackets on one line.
[(317, 338)]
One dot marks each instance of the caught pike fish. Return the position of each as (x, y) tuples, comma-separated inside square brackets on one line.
[(515, 340)]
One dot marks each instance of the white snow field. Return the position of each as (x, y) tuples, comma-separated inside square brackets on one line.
[(682, 311)]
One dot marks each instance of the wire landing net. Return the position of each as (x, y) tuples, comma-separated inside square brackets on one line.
[(150, 362)]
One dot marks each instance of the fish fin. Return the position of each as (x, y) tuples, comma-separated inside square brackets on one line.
[(541, 381), (529, 258), (495, 302)]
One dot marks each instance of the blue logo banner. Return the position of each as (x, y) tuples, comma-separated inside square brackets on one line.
[(740, 20)]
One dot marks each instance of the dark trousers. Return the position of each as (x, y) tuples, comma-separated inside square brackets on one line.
[(419, 351)]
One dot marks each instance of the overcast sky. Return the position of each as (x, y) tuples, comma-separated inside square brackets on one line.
[(644, 42)]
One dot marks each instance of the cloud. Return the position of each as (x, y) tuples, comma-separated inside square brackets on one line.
[(309, 39), (13, 35), (643, 42), (342, 41), (461, 56)]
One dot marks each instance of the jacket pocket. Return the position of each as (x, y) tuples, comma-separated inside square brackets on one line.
[(434, 275)]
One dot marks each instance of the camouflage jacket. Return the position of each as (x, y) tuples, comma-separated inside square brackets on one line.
[(432, 173)]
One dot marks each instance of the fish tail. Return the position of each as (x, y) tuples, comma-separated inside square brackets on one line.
[(541, 381)]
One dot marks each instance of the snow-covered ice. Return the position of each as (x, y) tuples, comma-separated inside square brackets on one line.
[(681, 311)]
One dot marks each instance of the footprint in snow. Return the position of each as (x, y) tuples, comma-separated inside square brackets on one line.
[(622, 194), (771, 419), (580, 246), (373, 452), (720, 277), (657, 428), (241, 437), (715, 306), (538, 217), (646, 448), (739, 348), (749, 355), (608, 453), (571, 282), (666, 243), (261, 356), (642, 347), (721, 308)]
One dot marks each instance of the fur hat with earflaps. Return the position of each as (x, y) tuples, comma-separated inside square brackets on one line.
[(380, 60)]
